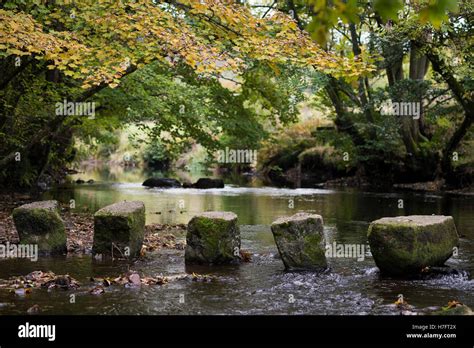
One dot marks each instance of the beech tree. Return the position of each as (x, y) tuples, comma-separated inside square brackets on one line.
[(61, 50)]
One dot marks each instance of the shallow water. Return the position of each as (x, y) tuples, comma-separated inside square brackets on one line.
[(261, 286)]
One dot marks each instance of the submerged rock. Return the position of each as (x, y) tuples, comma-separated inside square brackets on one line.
[(300, 241), (161, 182), (406, 245), (119, 229), (213, 237), (207, 183), (39, 223), (438, 272)]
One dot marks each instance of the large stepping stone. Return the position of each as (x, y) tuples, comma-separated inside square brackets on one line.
[(39, 223), (300, 241), (405, 245), (119, 229), (213, 238)]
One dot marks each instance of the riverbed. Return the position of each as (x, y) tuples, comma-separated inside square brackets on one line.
[(351, 286)]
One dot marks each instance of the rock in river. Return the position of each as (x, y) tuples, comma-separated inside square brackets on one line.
[(119, 229), (213, 237), (405, 245), (207, 183), (161, 182), (40, 223), (300, 241)]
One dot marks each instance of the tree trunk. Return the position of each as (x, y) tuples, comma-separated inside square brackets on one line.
[(367, 110), (342, 121), (466, 102)]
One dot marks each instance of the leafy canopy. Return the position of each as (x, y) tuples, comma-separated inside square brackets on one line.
[(98, 41)]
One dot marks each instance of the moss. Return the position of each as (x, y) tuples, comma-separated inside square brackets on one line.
[(122, 228), (313, 251), (41, 226), (406, 248), (212, 240), (300, 242), (211, 233)]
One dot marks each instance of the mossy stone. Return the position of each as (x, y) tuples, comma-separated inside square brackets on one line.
[(404, 245), (300, 241), (213, 238), (119, 229), (40, 223)]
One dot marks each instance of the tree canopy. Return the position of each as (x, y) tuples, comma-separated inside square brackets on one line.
[(220, 71)]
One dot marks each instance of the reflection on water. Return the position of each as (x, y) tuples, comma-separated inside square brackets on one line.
[(262, 205), (259, 287)]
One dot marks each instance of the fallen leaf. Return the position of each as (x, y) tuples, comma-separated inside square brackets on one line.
[(245, 256), (454, 303)]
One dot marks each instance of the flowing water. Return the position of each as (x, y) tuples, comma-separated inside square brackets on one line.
[(352, 286)]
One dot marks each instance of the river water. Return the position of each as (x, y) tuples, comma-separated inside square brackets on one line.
[(352, 286)]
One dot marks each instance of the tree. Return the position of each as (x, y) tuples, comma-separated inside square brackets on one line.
[(62, 50), (415, 35)]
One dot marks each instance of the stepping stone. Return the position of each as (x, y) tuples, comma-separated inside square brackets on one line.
[(213, 238), (119, 229), (405, 245), (300, 241), (39, 223)]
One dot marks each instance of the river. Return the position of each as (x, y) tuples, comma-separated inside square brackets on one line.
[(352, 286)]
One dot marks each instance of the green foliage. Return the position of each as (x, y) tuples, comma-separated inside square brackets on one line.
[(283, 148), (436, 12), (326, 14), (388, 9), (230, 79), (156, 155)]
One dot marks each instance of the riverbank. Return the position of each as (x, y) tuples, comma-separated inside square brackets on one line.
[(80, 228)]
